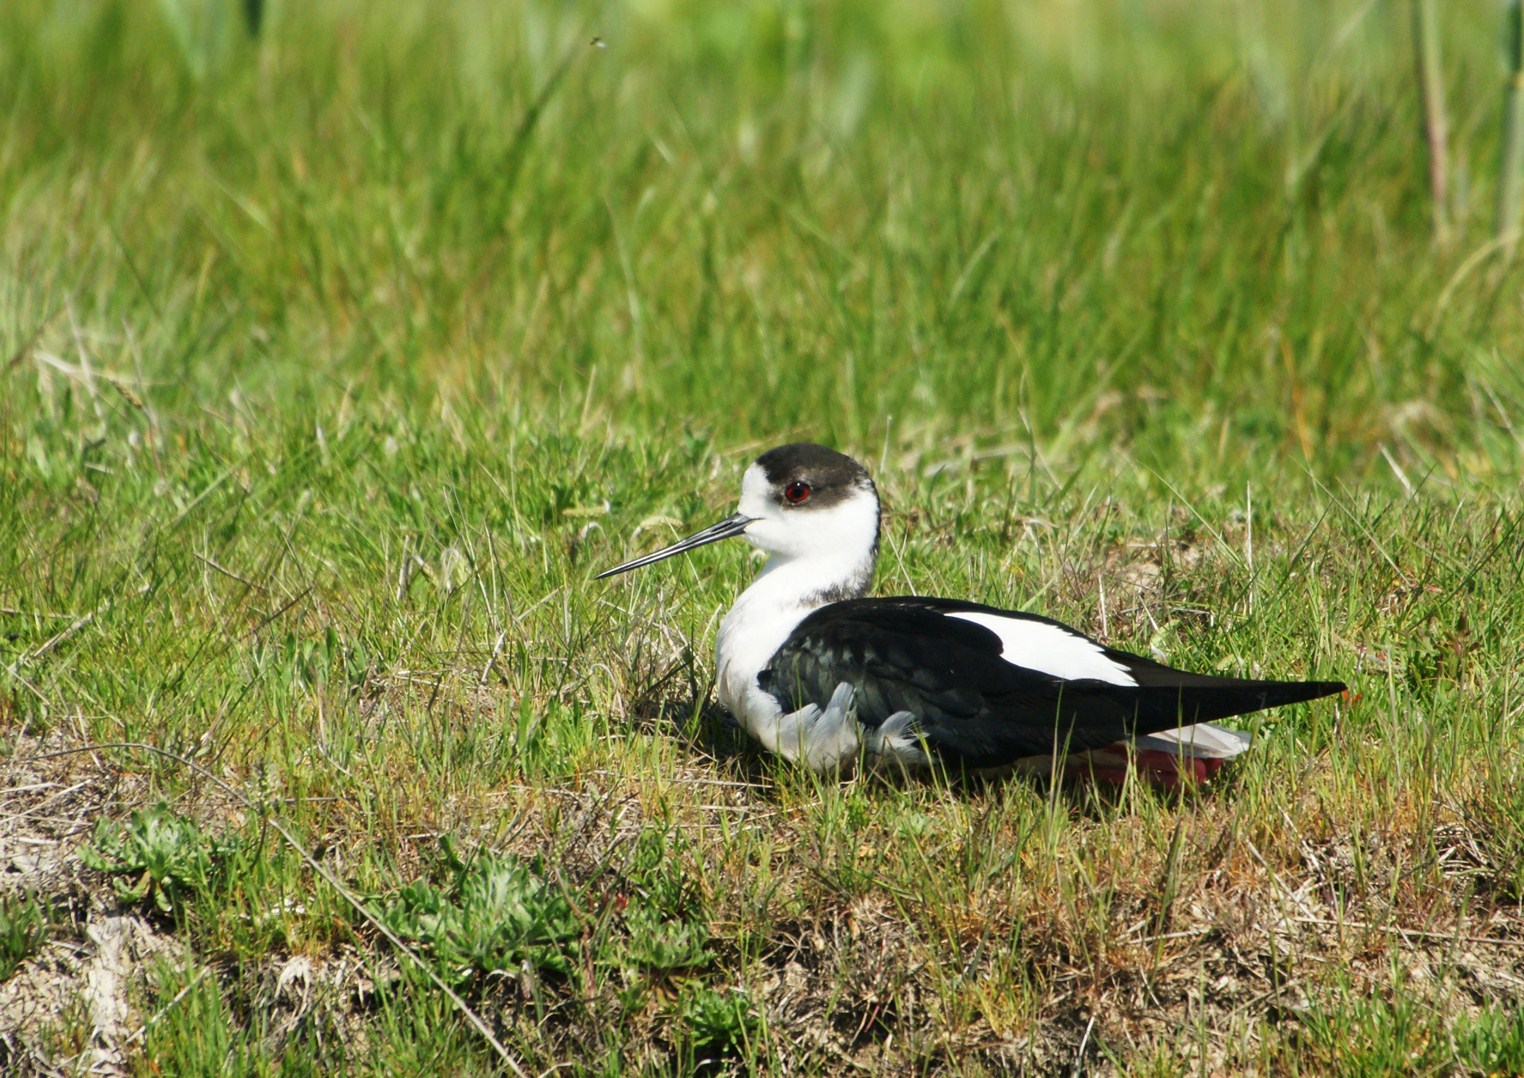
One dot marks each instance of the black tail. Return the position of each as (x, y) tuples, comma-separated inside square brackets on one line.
[(1192, 698)]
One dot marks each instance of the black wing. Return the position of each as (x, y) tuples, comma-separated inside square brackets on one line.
[(978, 708)]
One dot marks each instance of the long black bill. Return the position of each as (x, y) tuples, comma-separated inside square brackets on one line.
[(730, 526)]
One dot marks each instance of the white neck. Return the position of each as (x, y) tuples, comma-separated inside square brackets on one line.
[(813, 581), (787, 590)]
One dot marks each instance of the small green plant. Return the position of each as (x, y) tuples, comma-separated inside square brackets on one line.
[(158, 856), (491, 915), (658, 945), (23, 931), (656, 876), (715, 1021), (665, 926)]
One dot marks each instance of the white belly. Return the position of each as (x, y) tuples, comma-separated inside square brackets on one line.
[(745, 646)]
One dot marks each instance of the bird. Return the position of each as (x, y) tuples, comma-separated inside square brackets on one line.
[(822, 674)]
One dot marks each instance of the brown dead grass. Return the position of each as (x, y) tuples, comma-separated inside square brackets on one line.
[(868, 962)]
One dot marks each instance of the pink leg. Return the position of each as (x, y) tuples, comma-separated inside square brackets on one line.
[(1167, 769)]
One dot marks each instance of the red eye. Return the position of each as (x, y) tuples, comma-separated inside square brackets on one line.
[(796, 492)]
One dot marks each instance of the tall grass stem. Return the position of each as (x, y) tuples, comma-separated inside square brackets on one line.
[(1512, 158), (1436, 125)]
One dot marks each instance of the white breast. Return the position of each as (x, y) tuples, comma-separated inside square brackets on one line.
[(750, 635)]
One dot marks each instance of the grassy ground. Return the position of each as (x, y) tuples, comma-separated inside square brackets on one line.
[(332, 367)]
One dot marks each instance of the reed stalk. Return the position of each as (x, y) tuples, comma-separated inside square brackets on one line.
[(1436, 127), (1512, 156)]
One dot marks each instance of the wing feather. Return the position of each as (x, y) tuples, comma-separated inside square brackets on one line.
[(978, 707)]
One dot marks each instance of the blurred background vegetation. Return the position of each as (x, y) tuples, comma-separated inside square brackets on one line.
[(1199, 231)]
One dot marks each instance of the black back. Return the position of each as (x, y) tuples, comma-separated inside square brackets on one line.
[(979, 709)]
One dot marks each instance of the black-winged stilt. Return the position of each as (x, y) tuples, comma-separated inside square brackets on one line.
[(820, 674)]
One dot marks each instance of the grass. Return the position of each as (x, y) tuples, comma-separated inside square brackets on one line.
[(334, 363), (23, 930)]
